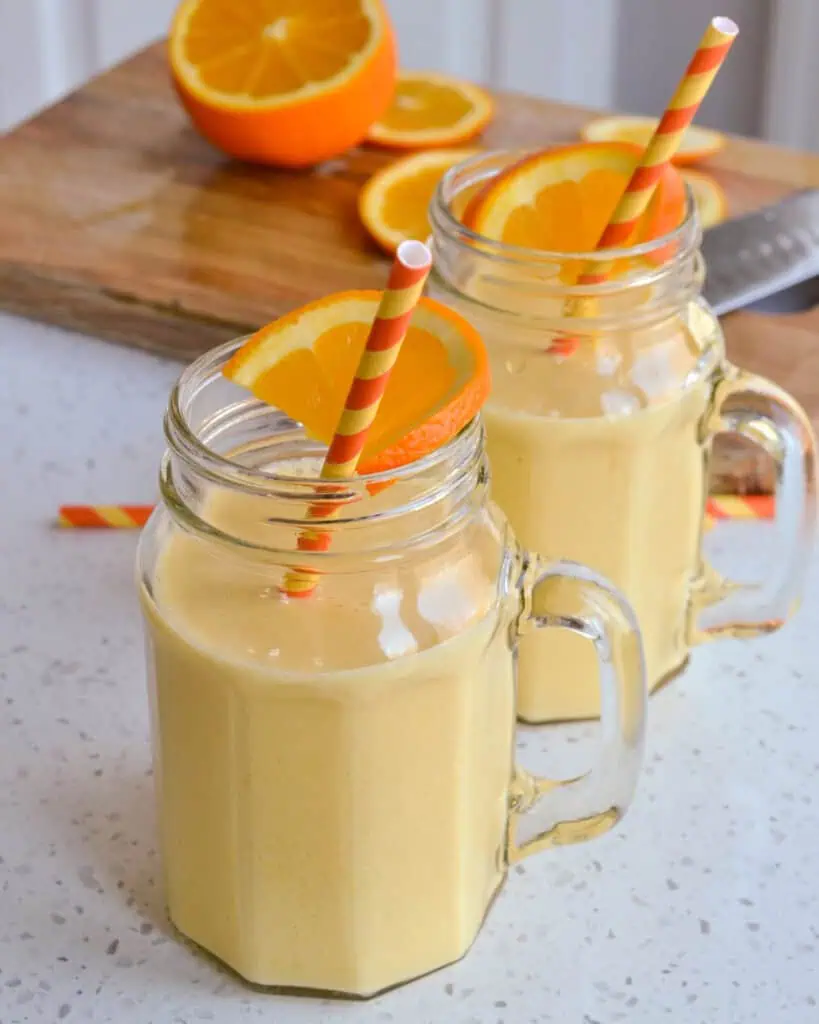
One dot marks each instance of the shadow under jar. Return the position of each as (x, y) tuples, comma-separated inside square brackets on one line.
[(338, 800), (599, 449)]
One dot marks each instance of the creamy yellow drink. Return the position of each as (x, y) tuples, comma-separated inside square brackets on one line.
[(622, 494), (602, 459), (609, 387), (338, 799), (603, 369), (323, 824)]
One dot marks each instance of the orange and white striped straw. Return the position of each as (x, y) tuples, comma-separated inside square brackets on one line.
[(101, 517), (408, 275), (133, 517), (740, 506), (664, 143)]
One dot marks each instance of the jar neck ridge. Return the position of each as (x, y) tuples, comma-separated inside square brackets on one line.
[(651, 281), (241, 472)]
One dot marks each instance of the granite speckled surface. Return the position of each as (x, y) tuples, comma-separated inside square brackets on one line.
[(702, 907)]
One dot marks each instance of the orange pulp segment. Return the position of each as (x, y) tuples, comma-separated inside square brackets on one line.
[(561, 199), (283, 81), (430, 109), (304, 364)]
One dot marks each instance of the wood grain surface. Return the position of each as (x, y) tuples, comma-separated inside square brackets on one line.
[(117, 220)]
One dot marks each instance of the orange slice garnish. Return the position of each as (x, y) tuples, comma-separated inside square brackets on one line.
[(394, 203), (697, 143), (304, 363), (560, 200), (430, 109), (280, 81), (710, 199)]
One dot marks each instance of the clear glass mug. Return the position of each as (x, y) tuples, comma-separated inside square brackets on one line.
[(337, 794), (602, 454)]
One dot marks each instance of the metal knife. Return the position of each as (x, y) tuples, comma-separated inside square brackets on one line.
[(768, 258)]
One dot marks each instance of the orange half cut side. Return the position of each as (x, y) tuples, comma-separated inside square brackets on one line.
[(286, 82)]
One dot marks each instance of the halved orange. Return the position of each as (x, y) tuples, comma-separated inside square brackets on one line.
[(394, 203), (430, 109), (288, 82), (561, 199), (697, 143), (304, 364), (710, 199)]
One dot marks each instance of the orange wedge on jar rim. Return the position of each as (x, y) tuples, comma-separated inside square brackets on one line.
[(709, 197), (430, 109), (283, 82), (697, 143), (561, 199), (304, 363), (394, 203)]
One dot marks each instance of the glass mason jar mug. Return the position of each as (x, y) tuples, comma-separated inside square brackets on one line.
[(606, 401), (337, 798)]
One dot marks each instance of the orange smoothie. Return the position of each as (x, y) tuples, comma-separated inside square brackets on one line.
[(332, 772), (601, 458)]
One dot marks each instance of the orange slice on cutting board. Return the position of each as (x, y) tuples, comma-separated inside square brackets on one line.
[(394, 203), (429, 109), (287, 82), (709, 197), (561, 199), (304, 364), (697, 143)]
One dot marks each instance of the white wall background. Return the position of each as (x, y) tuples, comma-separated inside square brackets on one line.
[(735, 103), (598, 52)]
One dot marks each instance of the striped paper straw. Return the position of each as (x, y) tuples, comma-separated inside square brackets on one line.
[(132, 517), (741, 506), (719, 507), (404, 286), (104, 517), (664, 143)]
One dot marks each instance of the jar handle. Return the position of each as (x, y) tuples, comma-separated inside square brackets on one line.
[(549, 812), (767, 416)]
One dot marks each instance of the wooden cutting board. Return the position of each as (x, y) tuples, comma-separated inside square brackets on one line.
[(117, 220)]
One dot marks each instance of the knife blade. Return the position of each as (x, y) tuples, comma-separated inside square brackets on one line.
[(774, 249)]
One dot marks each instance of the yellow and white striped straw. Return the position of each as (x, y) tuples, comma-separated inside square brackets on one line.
[(664, 143)]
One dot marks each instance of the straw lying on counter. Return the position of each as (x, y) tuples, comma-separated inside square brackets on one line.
[(741, 506), (125, 517), (96, 517)]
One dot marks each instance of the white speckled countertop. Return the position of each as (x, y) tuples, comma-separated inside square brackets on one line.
[(702, 908)]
